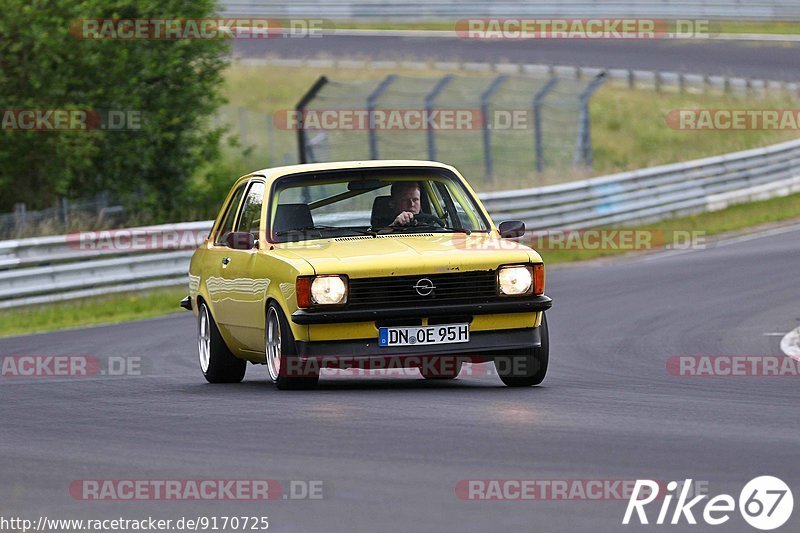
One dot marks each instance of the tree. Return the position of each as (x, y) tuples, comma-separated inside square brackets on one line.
[(172, 85)]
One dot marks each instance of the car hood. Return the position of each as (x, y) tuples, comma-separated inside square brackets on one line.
[(364, 256)]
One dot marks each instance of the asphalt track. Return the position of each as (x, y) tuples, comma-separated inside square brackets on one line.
[(390, 450), (764, 60)]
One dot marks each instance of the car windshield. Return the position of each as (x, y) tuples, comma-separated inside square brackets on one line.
[(372, 202)]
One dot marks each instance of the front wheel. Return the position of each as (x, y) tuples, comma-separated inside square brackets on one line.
[(527, 367), (286, 370), (217, 362)]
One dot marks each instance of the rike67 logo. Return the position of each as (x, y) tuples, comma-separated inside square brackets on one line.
[(765, 503)]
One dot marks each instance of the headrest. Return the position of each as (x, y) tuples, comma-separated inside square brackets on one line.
[(292, 216), (383, 213)]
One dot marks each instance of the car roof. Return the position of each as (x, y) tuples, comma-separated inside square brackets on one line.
[(277, 172)]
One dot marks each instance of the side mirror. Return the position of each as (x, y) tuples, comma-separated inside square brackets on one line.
[(511, 229), (240, 240)]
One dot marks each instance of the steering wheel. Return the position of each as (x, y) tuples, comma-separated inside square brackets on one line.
[(428, 220)]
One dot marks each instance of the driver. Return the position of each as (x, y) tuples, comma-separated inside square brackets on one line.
[(405, 201)]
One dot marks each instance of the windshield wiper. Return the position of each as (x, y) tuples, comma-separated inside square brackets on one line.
[(435, 226), (318, 227)]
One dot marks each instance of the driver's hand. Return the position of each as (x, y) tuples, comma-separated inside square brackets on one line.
[(403, 219)]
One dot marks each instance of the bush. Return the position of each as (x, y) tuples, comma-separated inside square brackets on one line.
[(173, 83)]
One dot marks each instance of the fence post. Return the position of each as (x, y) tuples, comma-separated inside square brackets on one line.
[(65, 212), (371, 99), (583, 149), (271, 140), (242, 117), (300, 108), (537, 121), (487, 141), (429, 99), (20, 218)]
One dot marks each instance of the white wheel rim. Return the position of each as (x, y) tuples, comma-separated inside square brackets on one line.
[(204, 338), (273, 344)]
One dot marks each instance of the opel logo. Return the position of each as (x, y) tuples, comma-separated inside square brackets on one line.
[(424, 287)]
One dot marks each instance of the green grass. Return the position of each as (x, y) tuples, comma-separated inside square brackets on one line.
[(630, 131), (125, 307), (107, 309), (629, 128), (676, 231)]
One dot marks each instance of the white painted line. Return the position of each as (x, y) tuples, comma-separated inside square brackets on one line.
[(745, 238), (790, 344), (667, 254)]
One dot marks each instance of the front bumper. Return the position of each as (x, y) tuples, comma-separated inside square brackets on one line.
[(333, 316), (480, 342)]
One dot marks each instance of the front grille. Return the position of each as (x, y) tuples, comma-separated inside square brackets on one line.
[(463, 287)]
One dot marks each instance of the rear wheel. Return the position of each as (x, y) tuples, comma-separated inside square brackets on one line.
[(217, 362), (286, 370), (526, 367)]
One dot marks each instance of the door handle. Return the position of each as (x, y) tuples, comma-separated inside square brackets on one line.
[(225, 261)]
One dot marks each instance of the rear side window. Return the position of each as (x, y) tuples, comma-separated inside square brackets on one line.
[(230, 215), (250, 219)]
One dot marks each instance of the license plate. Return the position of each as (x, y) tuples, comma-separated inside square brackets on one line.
[(422, 335)]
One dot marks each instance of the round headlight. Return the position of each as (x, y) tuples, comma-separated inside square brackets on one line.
[(328, 290), (515, 280)]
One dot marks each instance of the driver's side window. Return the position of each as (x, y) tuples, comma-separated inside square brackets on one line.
[(250, 219), (230, 216)]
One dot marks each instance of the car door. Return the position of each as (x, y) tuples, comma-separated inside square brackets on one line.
[(243, 305), (218, 256)]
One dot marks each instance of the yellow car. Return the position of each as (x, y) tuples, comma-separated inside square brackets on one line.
[(372, 264)]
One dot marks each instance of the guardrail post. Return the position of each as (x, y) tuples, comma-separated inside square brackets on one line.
[(429, 99), (371, 99), (631, 79), (487, 141), (583, 149), (537, 121), (300, 109)]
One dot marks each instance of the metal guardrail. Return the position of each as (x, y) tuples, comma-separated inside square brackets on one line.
[(73, 266), (456, 9), (660, 81)]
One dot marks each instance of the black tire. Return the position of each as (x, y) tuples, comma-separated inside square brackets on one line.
[(218, 365), (443, 367), (290, 372), (525, 368)]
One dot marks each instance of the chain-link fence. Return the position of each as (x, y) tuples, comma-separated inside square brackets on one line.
[(65, 216), (501, 127)]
